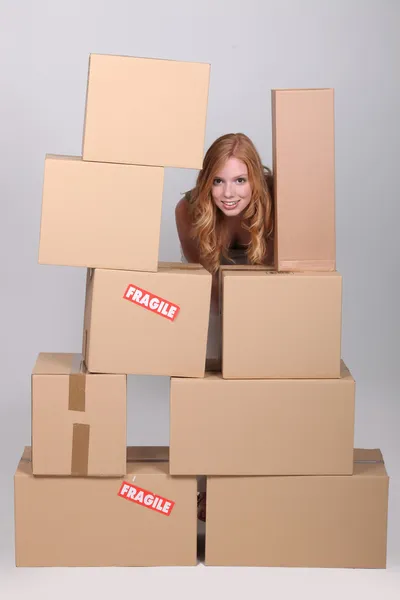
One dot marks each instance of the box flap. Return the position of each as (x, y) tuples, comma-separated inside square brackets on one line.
[(147, 460), (297, 90), (369, 462), (368, 455), (25, 464), (147, 454), (171, 267), (271, 272), (251, 268), (63, 157), (58, 363), (345, 372)]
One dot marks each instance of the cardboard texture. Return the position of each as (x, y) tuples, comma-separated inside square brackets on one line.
[(262, 426), (146, 111), (78, 419), (281, 325), (302, 521), (85, 522), (304, 179), (163, 332), (100, 215)]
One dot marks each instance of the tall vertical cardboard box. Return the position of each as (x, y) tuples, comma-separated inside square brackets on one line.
[(100, 215), (300, 521), (146, 111), (146, 518), (304, 179), (78, 419), (281, 325), (147, 323)]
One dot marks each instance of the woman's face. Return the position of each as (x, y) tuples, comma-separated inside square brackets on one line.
[(231, 190)]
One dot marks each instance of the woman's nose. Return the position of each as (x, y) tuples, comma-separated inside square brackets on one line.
[(228, 191)]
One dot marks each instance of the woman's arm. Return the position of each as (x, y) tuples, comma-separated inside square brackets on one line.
[(189, 246), (183, 225)]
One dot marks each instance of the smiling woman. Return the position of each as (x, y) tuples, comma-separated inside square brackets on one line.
[(228, 216)]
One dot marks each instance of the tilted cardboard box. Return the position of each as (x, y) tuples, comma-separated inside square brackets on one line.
[(147, 323), (146, 518), (304, 179), (100, 215), (281, 325), (262, 426), (304, 521), (78, 419), (146, 111)]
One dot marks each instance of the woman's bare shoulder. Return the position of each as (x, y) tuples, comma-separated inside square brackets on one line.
[(182, 213)]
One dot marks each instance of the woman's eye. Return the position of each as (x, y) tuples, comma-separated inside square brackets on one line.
[(240, 180), (216, 181)]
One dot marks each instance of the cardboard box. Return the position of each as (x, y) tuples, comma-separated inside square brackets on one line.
[(304, 179), (147, 323), (262, 426), (146, 111), (100, 215), (78, 419), (305, 521), (66, 522), (281, 325)]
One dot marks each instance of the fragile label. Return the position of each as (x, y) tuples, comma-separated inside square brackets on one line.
[(154, 303), (146, 498)]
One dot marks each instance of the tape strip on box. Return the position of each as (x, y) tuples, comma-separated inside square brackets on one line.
[(80, 449), (80, 431)]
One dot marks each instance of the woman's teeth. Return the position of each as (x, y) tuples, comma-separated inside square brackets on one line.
[(230, 203)]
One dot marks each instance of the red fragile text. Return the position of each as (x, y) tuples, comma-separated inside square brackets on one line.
[(152, 302), (146, 498)]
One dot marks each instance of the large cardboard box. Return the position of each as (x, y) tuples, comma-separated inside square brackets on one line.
[(281, 325), (78, 419), (304, 179), (146, 111), (262, 426), (146, 518), (147, 323), (304, 521), (100, 215)]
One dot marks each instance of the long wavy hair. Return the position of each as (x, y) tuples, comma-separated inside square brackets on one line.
[(208, 224)]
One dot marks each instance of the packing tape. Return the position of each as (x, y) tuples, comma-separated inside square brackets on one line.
[(369, 462), (77, 385), (80, 431), (80, 449)]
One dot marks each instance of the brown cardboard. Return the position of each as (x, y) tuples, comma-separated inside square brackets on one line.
[(100, 215), (234, 268), (78, 419), (83, 522), (123, 337), (305, 521), (262, 426), (146, 111), (281, 325), (304, 179)]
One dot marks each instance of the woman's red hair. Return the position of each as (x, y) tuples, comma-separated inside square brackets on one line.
[(208, 224)]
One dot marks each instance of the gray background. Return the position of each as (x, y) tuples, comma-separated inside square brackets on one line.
[(253, 46)]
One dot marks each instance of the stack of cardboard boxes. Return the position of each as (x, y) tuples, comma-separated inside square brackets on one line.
[(81, 497), (272, 429)]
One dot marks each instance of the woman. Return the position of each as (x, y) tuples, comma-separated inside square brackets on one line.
[(227, 218)]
